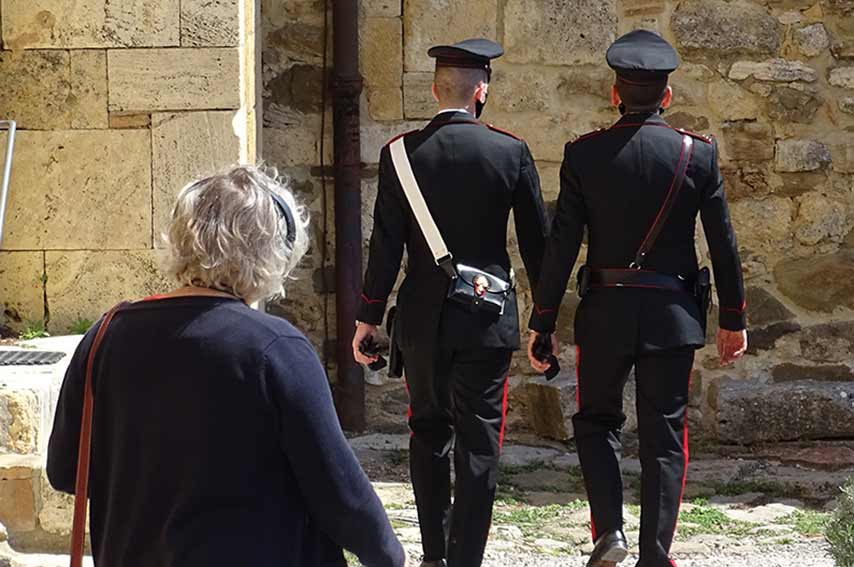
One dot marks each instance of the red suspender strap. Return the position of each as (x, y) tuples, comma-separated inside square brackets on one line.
[(81, 490), (669, 200)]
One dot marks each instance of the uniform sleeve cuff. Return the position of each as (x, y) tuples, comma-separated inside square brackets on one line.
[(543, 320), (371, 311), (733, 320)]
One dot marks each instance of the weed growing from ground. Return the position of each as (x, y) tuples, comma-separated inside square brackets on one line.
[(840, 528)]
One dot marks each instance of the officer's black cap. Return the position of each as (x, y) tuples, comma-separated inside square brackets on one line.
[(642, 56), (471, 53)]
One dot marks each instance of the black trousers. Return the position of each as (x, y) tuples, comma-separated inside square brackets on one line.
[(662, 399), (458, 400)]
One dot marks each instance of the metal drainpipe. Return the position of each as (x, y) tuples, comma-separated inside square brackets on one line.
[(10, 127), (346, 89)]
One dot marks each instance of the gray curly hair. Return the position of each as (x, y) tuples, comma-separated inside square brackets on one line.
[(227, 233)]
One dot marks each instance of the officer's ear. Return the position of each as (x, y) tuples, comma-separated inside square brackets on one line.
[(668, 97), (615, 96), (482, 92), (435, 92)]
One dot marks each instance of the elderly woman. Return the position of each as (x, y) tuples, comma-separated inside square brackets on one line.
[(214, 439)]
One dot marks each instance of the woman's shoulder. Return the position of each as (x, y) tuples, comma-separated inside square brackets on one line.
[(265, 326)]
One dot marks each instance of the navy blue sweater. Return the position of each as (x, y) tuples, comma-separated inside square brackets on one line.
[(215, 442)]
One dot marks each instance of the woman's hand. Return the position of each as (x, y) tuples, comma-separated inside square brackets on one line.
[(364, 331)]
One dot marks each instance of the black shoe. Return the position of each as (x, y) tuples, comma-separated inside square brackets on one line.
[(610, 550), (439, 563)]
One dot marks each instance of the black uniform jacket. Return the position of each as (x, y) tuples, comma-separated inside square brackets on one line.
[(471, 176), (614, 182)]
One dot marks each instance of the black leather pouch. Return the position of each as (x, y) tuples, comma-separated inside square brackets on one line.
[(480, 290), (703, 293)]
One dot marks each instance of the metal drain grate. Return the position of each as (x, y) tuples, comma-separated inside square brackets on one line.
[(29, 357)]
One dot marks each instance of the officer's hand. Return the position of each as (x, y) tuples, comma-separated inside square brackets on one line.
[(731, 345), (363, 331), (536, 364)]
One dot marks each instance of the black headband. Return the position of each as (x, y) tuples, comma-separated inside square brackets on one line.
[(286, 212)]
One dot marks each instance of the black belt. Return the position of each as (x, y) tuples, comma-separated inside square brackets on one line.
[(643, 279)]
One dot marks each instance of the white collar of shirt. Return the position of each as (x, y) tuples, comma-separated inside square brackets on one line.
[(453, 110)]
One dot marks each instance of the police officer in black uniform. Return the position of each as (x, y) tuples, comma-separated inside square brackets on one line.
[(640, 310), (456, 359)]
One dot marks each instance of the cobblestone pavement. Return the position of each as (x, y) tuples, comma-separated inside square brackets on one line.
[(735, 513)]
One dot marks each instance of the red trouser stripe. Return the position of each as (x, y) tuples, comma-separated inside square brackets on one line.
[(687, 459), (408, 408), (503, 412)]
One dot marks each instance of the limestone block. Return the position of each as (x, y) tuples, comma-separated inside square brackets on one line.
[(381, 59), (828, 342), (89, 89), (17, 492), (433, 22), (187, 146), (819, 218), (549, 179), (715, 26), (746, 181), (688, 121), (559, 32), (813, 40), (842, 77), (789, 372), (818, 283), (210, 23), (748, 141), (53, 90), (779, 70), (380, 8), (84, 284), (765, 224), (299, 87), (842, 149), (765, 308), (21, 292), (121, 121), (549, 406), (750, 412), (56, 201), (56, 513), (19, 421), (794, 102), (517, 88), (590, 80), (418, 101), (174, 79), (801, 155), (38, 97), (731, 102), (846, 104), (59, 24), (382, 66), (386, 103)]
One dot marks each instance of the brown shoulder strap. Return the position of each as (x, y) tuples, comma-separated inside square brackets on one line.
[(81, 490), (669, 200)]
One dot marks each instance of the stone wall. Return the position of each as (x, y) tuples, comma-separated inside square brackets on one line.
[(118, 105), (773, 80)]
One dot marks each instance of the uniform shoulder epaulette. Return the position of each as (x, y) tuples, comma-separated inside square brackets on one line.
[(505, 132), (702, 137), (399, 136), (589, 135)]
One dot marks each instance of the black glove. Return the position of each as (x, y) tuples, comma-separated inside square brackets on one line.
[(542, 351), (370, 347)]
